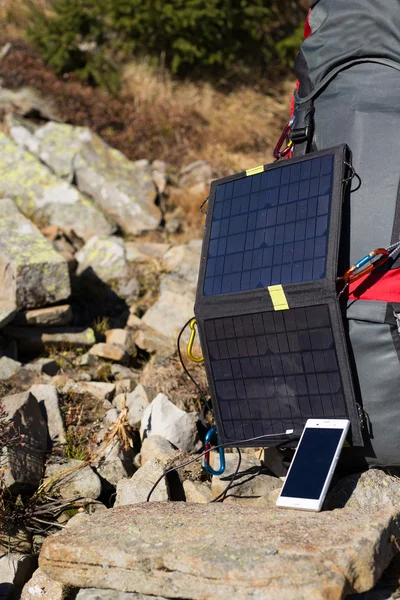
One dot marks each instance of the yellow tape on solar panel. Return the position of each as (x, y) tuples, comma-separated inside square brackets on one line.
[(278, 297), (255, 170)]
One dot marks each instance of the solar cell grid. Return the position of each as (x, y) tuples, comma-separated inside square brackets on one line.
[(273, 370), (270, 228)]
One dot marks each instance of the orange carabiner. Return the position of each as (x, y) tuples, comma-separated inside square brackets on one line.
[(372, 261)]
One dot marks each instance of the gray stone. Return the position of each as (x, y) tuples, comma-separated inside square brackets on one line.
[(114, 453), (124, 386), (36, 338), (194, 173), (111, 416), (99, 389), (46, 366), (113, 470), (122, 338), (8, 367), (24, 464), (137, 488), (93, 594), (15, 571), (40, 586), (109, 352), (120, 372), (31, 272), (223, 551), (142, 252), (197, 492), (169, 313), (182, 266), (251, 482), (42, 196), (158, 448), (137, 402), (163, 418), (53, 315), (104, 258), (49, 405), (81, 482), (123, 189), (153, 341)]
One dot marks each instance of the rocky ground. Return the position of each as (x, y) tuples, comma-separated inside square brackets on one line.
[(97, 277)]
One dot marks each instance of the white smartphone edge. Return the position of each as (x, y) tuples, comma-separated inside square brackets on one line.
[(308, 503)]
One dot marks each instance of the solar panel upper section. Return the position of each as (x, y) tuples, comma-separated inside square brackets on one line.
[(274, 370), (270, 228)]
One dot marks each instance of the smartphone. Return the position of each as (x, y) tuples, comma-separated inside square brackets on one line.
[(313, 464)]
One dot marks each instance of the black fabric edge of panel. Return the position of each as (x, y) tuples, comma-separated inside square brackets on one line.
[(342, 357), (341, 155)]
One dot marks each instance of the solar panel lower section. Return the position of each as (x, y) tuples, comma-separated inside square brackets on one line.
[(274, 370)]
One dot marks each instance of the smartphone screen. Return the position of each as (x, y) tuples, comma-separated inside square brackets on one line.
[(312, 462)]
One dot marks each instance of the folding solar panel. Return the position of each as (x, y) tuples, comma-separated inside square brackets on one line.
[(269, 320)]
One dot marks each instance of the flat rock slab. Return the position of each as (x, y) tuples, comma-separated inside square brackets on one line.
[(223, 551)]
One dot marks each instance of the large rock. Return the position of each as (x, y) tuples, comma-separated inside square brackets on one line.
[(42, 196), (123, 189), (31, 272), (104, 258), (49, 405), (225, 551), (163, 418), (24, 464), (137, 488)]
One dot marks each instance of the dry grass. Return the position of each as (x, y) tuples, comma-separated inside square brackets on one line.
[(14, 16), (238, 129)]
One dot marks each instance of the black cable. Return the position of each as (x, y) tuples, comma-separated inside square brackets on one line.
[(223, 494), (192, 460), (202, 394)]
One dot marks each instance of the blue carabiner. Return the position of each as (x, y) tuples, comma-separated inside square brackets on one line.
[(221, 453)]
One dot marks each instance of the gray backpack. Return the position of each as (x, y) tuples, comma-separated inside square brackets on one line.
[(349, 92)]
